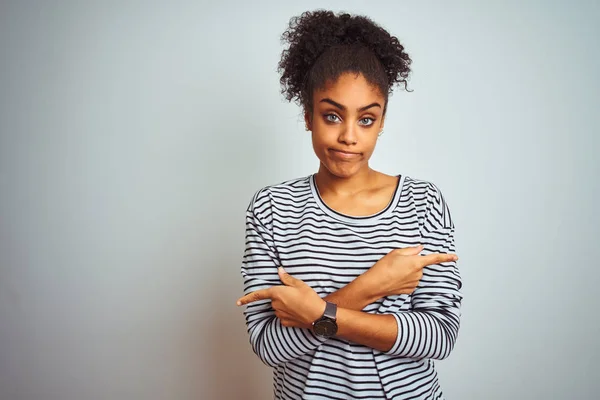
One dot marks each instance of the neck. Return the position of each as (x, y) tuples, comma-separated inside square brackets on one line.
[(329, 183)]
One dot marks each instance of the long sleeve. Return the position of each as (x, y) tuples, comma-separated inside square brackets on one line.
[(430, 328), (272, 342)]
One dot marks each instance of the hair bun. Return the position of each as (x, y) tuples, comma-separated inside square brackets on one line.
[(313, 32)]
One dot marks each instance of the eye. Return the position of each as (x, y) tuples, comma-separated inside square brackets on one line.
[(332, 118), (366, 121)]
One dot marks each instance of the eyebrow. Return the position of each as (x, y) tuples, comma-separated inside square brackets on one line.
[(343, 108)]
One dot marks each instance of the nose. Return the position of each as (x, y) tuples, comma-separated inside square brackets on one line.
[(348, 135)]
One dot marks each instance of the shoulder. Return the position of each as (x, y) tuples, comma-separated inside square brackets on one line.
[(429, 202), (287, 191)]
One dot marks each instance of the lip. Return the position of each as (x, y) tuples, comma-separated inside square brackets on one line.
[(343, 154)]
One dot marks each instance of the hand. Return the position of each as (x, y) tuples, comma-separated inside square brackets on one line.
[(400, 271), (296, 304)]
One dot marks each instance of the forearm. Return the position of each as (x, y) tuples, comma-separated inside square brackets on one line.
[(381, 331), (413, 334), (377, 331), (356, 295)]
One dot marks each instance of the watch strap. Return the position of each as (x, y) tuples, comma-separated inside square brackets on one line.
[(330, 311)]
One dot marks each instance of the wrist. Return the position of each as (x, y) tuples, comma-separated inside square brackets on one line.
[(368, 287), (317, 312)]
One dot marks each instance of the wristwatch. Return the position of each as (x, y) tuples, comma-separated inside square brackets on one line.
[(326, 326)]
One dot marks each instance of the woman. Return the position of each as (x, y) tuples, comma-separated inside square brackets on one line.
[(350, 282)]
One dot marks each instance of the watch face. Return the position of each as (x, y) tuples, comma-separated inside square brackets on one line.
[(325, 328)]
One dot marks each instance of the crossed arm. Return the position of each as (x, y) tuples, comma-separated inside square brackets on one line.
[(297, 305), (279, 317)]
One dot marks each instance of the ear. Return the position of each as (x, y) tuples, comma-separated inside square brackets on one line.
[(308, 120), (382, 122)]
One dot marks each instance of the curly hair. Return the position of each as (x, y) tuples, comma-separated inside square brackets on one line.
[(323, 45)]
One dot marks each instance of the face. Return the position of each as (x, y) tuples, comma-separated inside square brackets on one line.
[(345, 123)]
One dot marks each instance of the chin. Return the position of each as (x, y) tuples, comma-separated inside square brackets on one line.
[(344, 171)]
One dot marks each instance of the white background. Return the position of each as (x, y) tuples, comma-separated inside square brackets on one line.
[(133, 135)]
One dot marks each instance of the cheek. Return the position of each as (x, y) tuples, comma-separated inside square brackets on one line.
[(319, 142), (319, 149), (325, 134), (372, 144)]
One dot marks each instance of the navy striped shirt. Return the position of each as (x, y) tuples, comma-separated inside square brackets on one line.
[(289, 225)]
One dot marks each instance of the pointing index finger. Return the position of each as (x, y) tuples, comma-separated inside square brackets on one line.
[(262, 294), (438, 258)]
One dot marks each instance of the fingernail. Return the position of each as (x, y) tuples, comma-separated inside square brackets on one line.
[(239, 303)]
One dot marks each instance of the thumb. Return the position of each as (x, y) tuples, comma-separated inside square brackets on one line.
[(410, 251), (287, 279)]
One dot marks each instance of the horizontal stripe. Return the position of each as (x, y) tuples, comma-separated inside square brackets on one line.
[(289, 225)]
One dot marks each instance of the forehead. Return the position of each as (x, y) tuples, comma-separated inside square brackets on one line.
[(351, 90)]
